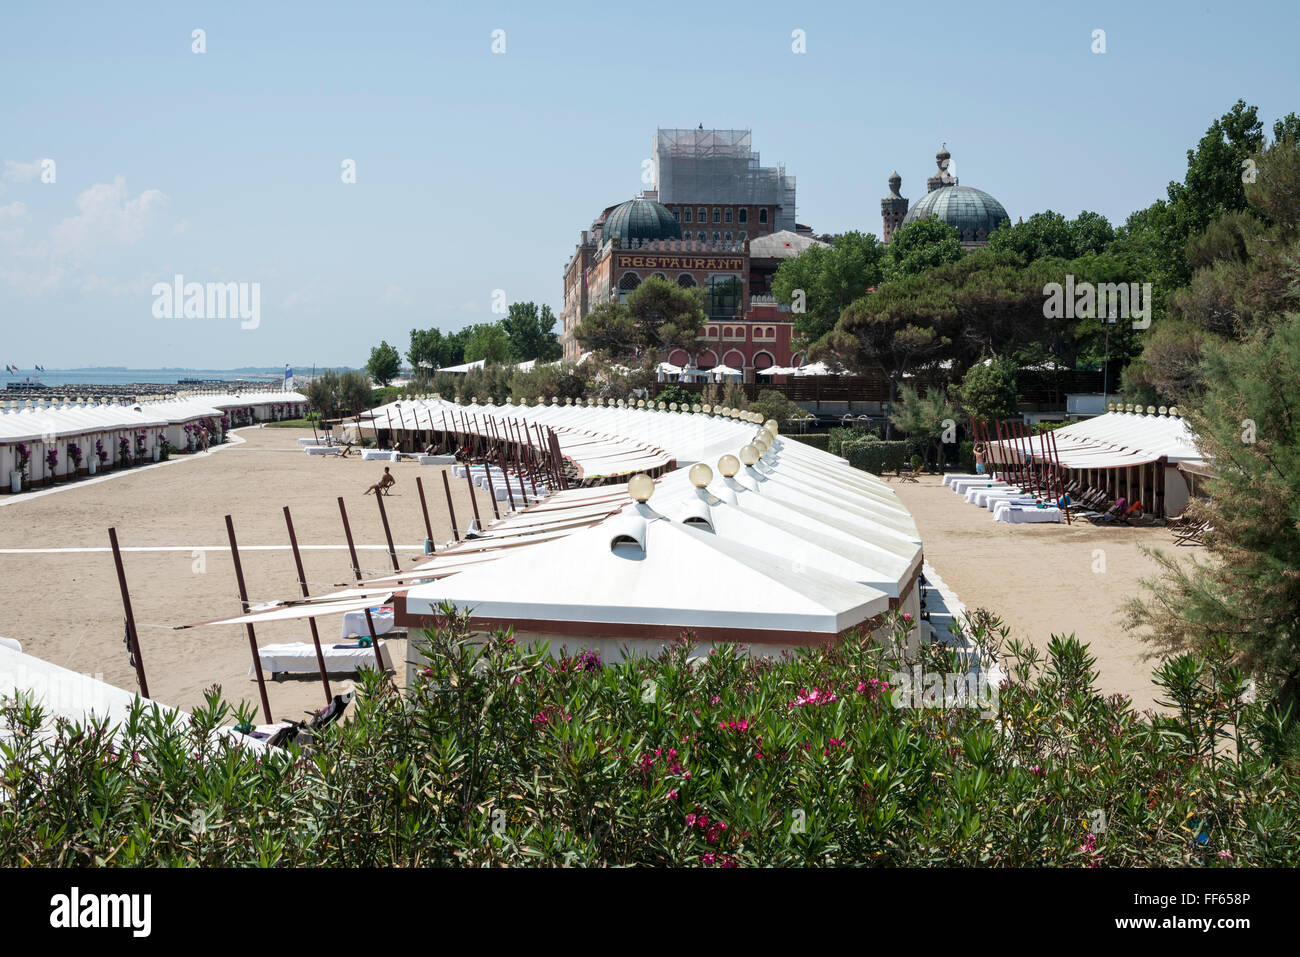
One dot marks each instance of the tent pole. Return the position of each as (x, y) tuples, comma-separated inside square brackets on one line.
[(388, 532), (252, 636), (347, 531), (451, 510), (302, 581), (130, 615), (428, 528), (374, 644)]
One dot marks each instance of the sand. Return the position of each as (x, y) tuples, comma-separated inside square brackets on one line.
[(66, 607), (1045, 579)]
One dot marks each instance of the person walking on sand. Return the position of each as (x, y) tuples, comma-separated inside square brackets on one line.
[(382, 486)]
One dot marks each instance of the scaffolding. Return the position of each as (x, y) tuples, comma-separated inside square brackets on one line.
[(720, 166)]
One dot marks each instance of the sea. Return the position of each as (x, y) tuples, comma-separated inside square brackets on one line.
[(56, 378)]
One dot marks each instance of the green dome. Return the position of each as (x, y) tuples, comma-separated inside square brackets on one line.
[(641, 219), (974, 212)]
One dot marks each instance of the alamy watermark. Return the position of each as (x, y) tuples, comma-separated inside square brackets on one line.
[(208, 300), (917, 688), (1109, 300)]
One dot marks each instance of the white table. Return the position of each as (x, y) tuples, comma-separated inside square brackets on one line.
[(437, 460), (321, 449), (982, 496), (372, 454), (300, 658), (951, 477), (354, 622), (962, 486), (1019, 514)]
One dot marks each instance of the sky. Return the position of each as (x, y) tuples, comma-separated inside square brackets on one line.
[(476, 170)]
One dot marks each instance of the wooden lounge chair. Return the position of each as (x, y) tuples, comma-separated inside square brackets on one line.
[(1192, 533)]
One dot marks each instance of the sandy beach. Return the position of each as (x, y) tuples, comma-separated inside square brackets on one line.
[(1040, 579), (65, 606)]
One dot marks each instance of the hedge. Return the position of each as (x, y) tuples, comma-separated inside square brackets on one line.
[(875, 456), (818, 440)]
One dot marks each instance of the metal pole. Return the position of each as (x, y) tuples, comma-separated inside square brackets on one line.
[(252, 637), (451, 510), (388, 534), (352, 549), (302, 581), (428, 529), (130, 615)]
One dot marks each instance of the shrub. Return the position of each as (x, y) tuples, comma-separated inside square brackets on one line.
[(966, 457), (872, 455), (504, 755), (838, 435), (818, 440)]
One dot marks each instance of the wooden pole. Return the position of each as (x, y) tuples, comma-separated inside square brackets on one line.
[(388, 532), (428, 528), (130, 615), (492, 492), (252, 636), (451, 509), (505, 473), (302, 581), (352, 548), (374, 643), (473, 499)]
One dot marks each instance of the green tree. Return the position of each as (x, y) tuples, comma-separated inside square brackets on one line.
[(919, 246), (430, 350), (924, 417), (988, 390), (530, 332), (354, 393), (1248, 425), (822, 281), (658, 316), (1050, 235), (384, 364), (487, 341)]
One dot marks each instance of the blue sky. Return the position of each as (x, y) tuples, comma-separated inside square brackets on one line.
[(476, 171)]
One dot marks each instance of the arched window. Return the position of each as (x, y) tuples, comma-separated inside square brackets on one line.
[(742, 216), (628, 282), (704, 214), (677, 215), (763, 360), (717, 215), (728, 214), (687, 213), (659, 275), (700, 237), (717, 237), (728, 237), (762, 215), (686, 281)]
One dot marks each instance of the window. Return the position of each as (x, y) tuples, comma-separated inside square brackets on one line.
[(717, 215), (722, 296), (728, 214), (744, 234), (687, 212), (686, 281), (728, 237), (628, 282), (700, 237), (742, 217), (677, 215), (704, 215), (762, 215), (716, 237)]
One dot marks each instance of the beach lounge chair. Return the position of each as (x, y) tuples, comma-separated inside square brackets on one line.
[(1192, 533)]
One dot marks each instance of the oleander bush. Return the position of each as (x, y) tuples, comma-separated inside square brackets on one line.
[(505, 755)]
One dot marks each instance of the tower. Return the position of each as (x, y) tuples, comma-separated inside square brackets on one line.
[(943, 177), (893, 207)]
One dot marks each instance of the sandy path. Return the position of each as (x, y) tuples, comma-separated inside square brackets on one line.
[(1040, 579), (66, 607)]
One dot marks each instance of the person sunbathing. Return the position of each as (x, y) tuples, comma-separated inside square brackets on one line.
[(382, 486)]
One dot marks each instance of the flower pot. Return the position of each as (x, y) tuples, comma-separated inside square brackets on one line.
[(15, 481), (92, 466), (156, 455)]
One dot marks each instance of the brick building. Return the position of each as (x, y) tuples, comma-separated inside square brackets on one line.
[(717, 220)]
